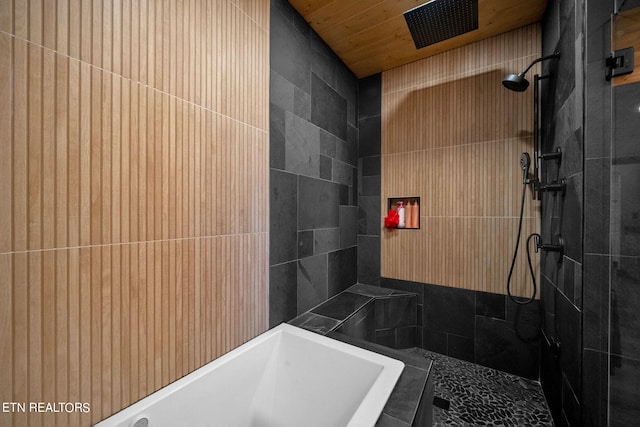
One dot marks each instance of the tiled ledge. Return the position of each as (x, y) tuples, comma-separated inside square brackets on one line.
[(379, 315), (363, 315)]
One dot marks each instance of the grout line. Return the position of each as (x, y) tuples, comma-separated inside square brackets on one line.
[(449, 147), (138, 83), (452, 77), (104, 245)]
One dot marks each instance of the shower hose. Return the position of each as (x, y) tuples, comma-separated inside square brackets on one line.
[(515, 253)]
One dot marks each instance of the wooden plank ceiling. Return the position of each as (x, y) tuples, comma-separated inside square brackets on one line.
[(371, 36)]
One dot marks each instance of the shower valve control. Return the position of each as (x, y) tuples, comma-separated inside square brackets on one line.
[(558, 186), (554, 155), (548, 247)]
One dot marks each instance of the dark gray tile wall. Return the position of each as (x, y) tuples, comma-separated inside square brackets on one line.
[(588, 301), (361, 325), (313, 161), (480, 327), (396, 321), (562, 214), (282, 297), (369, 176), (597, 259), (624, 266)]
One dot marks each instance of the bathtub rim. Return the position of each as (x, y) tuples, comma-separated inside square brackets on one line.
[(367, 412)]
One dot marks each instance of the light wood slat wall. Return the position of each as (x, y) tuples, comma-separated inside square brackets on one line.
[(453, 135), (626, 33), (134, 196)]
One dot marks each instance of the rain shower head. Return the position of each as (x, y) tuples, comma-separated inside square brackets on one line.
[(517, 82), (438, 20)]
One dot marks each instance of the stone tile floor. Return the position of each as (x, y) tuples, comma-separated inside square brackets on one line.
[(481, 396)]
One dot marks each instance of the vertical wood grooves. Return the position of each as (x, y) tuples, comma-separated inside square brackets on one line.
[(626, 33), (453, 135), (134, 221)]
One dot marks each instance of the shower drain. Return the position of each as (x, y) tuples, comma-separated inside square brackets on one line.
[(441, 403)]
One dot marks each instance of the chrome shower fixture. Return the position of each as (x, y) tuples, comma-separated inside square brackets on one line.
[(517, 82)]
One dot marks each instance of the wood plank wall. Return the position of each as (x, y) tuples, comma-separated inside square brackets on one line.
[(453, 135), (626, 33), (133, 196)]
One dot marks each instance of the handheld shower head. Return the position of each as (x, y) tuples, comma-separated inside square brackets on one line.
[(525, 163), (517, 82)]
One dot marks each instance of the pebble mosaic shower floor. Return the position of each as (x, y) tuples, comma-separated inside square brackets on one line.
[(480, 396)]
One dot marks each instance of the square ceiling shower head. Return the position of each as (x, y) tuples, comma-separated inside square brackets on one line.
[(439, 20)]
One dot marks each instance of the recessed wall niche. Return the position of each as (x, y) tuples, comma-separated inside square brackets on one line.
[(412, 210)]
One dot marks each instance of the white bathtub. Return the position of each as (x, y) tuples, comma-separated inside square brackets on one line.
[(286, 376)]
